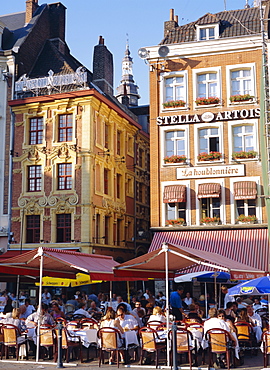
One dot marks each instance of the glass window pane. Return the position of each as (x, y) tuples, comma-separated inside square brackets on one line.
[(180, 133), (249, 143), (246, 72), (238, 145), (212, 76), (179, 79), (201, 77), (170, 211), (212, 89), (211, 33), (235, 74), (247, 86), (180, 147), (237, 130), (203, 145), (235, 87), (180, 93), (169, 93), (203, 34), (248, 128), (169, 81), (214, 131)]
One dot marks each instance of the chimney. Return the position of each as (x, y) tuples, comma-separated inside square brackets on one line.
[(103, 67), (57, 14), (171, 24), (31, 7)]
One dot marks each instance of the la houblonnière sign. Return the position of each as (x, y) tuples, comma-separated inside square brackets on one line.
[(226, 115)]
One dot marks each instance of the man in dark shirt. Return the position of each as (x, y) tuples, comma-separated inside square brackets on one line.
[(176, 303)]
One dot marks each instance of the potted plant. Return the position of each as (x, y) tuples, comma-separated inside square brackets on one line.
[(244, 155), (240, 98), (250, 219), (210, 220), (174, 104), (207, 101), (211, 156), (175, 159), (175, 222)]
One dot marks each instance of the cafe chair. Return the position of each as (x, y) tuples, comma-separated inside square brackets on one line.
[(194, 325), (88, 324), (73, 325), (47, 340), (78, 317), (13, 339), (184, 345), (155, 324), (266, 347), (219, 343), (110, 339), (70, 342), (245, 335), (151, 342), (145, 319), (1, 341), (62, 320)]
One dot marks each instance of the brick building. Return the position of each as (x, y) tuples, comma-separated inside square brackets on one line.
[(206, 172)]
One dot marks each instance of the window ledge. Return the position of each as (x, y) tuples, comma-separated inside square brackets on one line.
[(244, 159), (243, 102), (163, 110), (207, 105), (175, 164), (210, 162)]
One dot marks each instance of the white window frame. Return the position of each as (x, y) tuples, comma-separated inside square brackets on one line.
[(222, 199), (197, 138), (232, 124), (163, 130), (207, 27), (237, 67), (166, 75), (200, 71), (188, 202), (258, 200)]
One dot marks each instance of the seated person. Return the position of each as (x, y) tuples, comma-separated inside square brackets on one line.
[(13, 318), (128, 322), (56, 311), (82, 311), (193, 313), (157, 315), (45, 317), (93, 309)]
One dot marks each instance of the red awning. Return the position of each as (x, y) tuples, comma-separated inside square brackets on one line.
[(174, 194), (247, 246), (209, 191), (153, 263), (245, 190), (60, 263)]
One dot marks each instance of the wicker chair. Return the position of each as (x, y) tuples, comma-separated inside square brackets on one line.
[(89, 324), (155, 324), (109, 342), (69, 345), (266, 347), (183, 343), (149, 339), (13, 339), (47, 341), (245, 334), (219, 340)]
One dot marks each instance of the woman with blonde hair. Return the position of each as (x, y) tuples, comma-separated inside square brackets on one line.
[(157, 315)]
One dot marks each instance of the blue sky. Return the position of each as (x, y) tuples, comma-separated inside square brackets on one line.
[(142, 20)]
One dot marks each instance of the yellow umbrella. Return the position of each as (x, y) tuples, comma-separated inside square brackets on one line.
[(52, 281), (83, 279)]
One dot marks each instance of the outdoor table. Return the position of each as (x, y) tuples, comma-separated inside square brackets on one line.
[(258, 333), (130, 337), (87, 336)]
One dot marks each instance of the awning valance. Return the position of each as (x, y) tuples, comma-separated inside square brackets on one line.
[(174, 194), (245, 190), (209, 190)]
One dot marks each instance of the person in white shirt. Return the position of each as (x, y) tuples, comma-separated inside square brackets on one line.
[(157, 315), (81, 310), (138, 306), (119, 300), (257, 321), (127, 321), (257, 304), (188, 299), (146, 294), (227, 298), (46, 297)]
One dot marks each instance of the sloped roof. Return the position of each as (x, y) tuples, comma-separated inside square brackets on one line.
[(13, 21), (233, 23)]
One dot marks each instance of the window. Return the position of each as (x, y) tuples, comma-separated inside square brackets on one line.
[(97, 227), (33, 229), (63, 228), (140, 159), (207, 33), (36, 131), (118, 185), (246, 207), (176, 210), (209, 140), (243, 138), (175, 88), (207, 85), (107, 136), (118, 148), (106, 181), (64, 176), (34, 178), (210, 207), (241, 82), (65, 127), (175, 143), (107, 229)]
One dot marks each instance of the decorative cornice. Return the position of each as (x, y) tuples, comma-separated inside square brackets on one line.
[(17, 170)]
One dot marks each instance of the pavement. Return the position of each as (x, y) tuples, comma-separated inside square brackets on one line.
[(251, 363)]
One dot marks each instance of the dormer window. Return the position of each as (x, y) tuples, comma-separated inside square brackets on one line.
[(207, 32)]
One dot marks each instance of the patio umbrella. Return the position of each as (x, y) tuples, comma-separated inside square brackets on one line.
[(257, 286), (205, 276)]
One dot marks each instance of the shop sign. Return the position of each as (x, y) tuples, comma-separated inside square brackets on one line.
[(210, 171), (227, 115), (28, 84)]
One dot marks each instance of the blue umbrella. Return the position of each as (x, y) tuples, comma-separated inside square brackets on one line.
[(252, 287), (205, 276)]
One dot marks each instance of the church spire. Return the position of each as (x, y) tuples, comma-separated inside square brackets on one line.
[(127, 91)]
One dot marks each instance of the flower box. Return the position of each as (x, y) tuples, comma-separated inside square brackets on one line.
[(175, 222), (210, 220), (174, 104), (207, 101), (241, 98), (244, 155), (175, 159), (211, 156), (250, 219)]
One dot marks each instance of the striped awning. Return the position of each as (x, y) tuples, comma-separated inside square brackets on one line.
[(245, 190), (174, 194), (247, 246), (209, 190)]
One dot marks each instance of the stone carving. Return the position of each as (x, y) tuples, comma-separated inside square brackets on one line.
[(17, 170), (42, 201), (73, 199), (52, 200)]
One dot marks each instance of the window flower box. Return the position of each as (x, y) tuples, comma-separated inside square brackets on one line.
[(210, 220), (241, 98), (174, 104), (244, 155), (207, 101), (175, 222), (250, 219), (211, 156), (175, 159)]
